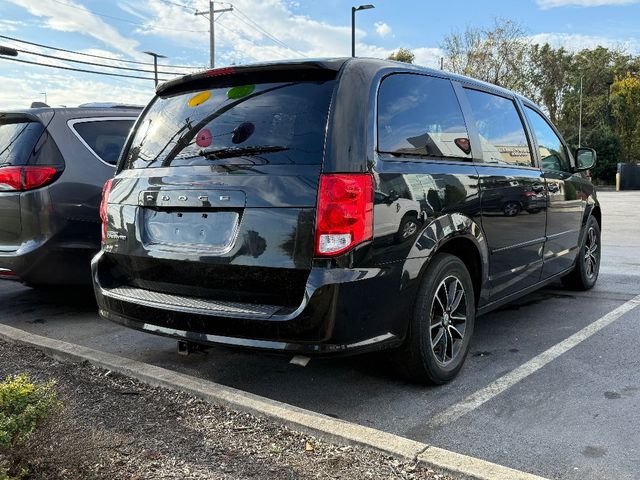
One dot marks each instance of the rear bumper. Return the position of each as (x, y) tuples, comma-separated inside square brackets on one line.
[(343, 311), (49, 263)]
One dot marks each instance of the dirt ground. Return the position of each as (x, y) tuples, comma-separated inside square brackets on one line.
[(113, 427)]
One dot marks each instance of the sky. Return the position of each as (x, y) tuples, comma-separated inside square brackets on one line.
[(259, 30)]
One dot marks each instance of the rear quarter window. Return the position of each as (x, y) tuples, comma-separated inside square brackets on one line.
[(104, 138), (420, 115), (18, 140)]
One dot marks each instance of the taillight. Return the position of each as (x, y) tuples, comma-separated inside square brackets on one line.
[(19, 179), (104, 204), (345, 212)]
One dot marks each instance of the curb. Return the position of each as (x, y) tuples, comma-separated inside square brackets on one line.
[(323, 426)]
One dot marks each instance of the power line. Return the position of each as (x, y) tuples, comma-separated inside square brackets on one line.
[(179, 5), (79, 69), (93, 55), (97, 64), (265, 32), (120, 19), (246, 20)]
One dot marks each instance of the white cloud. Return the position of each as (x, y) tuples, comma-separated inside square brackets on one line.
[(10, 25), (428, 56), (76, 18), (382, 29), (70, 90), (575, 42), (545, 4)]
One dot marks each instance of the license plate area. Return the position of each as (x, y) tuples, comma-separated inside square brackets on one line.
[(211, 232)]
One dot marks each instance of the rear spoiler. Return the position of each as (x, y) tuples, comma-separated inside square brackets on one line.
[(259, 73), (44, 116)]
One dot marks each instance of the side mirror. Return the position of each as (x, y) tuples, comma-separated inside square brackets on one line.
[(585, 159)]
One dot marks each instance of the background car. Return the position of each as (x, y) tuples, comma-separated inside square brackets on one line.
[(53, 165)]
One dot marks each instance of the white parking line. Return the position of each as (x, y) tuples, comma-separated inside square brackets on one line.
[(495, 388)]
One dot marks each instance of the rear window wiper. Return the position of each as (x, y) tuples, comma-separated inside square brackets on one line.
[(230, 152)]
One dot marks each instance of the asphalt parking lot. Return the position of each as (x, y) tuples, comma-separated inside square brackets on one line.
[(575, 417)]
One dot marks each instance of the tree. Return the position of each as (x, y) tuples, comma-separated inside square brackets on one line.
[(607, 145), (497, 55), (549, 70), (625, 109), (402, 55)]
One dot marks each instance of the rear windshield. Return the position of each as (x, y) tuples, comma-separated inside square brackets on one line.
[(104, 137), (268, 123), (17, 141)]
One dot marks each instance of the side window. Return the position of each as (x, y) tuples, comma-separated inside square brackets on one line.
[(502, 135), (105, 138), (420, 115), (553, 153)]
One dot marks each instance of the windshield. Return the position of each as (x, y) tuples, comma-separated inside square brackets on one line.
[(17, 140), (269, 123)]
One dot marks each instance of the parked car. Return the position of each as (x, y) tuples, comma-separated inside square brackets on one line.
[(244, 211), (53, 165)]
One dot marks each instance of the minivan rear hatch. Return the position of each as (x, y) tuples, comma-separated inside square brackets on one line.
[(217, 188)]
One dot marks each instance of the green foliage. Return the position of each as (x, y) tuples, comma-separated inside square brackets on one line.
[(607, 145), (549, 71), (23, 407), (625, 105), (402, 55), (603, 83)]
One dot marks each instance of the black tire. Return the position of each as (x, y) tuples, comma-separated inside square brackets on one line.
[(409, 226), (585, 273), (421, 358)]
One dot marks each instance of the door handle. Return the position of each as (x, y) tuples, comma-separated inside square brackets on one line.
[(553, 187)]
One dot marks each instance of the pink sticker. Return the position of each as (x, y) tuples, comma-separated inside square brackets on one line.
[(203, 139)]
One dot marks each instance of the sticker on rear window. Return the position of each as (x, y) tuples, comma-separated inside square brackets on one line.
[(203, 139), (242, 91), (199, 99)]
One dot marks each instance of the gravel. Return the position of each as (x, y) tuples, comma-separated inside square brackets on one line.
[(113, 427)]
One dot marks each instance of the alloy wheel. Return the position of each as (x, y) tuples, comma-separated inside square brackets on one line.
[(591, 253), (448, 319), (409, 229)]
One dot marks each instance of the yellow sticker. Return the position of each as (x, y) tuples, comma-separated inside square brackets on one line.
[(199, 99)]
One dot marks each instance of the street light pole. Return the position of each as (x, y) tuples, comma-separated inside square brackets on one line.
[(212, 35), (353, 25), (580, 116), (155, 64)]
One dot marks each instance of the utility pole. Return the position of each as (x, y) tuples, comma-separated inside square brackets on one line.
[(212, 37)]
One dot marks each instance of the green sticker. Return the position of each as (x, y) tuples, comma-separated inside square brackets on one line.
[(239, 92)]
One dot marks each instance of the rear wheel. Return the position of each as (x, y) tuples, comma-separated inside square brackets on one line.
[(440, 331), (585, 273)]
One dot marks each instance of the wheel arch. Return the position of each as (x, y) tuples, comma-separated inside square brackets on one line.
[(458, 235)]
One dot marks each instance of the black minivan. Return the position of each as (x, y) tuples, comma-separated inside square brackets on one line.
[(340, 206)]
